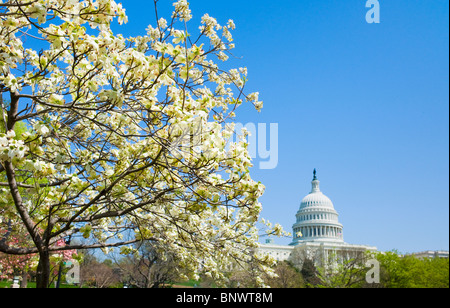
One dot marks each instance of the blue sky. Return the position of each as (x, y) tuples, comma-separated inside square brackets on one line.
[(365, 104)]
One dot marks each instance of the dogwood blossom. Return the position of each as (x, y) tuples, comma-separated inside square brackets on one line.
[(126, 134), (10, 148)]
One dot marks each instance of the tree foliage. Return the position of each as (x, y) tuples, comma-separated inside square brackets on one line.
[(105, 151), (411, 272)]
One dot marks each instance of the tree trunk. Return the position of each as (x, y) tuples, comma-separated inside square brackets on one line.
[(43, 270), (24, 283)]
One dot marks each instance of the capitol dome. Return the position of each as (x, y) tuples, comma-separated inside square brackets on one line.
[(317, 220), (316, 199)]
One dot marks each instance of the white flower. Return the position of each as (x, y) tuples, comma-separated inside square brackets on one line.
[(231, 24), (179, 36), (56, 99), (11, 82), (3, 142), (162, 23), (182, 10), (42, 129), (11, 134), (253, 97), (258, 105)]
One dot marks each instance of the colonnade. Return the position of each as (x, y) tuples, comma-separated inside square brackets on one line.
[(319, 231), (321, 216)]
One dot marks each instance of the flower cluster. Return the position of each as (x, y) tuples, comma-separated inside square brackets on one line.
[(11, 149), (182, 10)]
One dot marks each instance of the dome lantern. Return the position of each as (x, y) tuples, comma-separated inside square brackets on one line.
[(315, 183)]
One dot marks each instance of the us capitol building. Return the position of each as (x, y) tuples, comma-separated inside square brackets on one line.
[(317, 233)]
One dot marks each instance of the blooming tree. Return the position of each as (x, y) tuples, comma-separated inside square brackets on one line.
[(11, 265), (105, 115)]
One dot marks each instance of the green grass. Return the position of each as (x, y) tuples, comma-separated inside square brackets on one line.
[(190, 283), (32, 285)]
